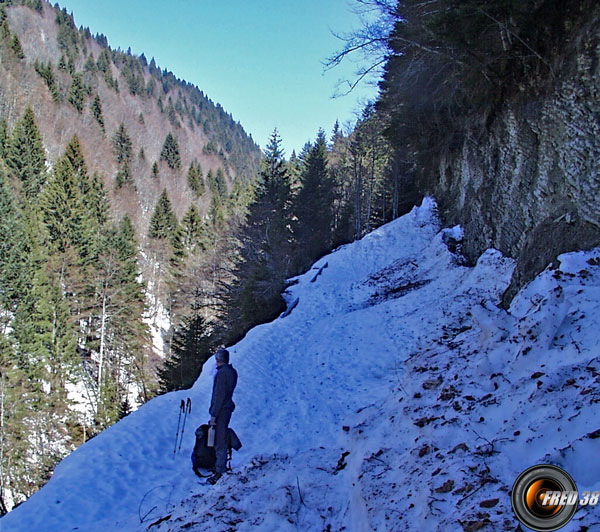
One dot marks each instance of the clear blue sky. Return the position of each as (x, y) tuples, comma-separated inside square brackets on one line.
[(260, 59)]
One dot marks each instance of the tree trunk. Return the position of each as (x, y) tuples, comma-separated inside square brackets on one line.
[(102, 334)]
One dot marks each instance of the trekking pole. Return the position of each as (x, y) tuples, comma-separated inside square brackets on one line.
[(181, 409), (188, 410)]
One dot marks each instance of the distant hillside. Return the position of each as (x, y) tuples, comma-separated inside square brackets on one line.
[(76, 84)]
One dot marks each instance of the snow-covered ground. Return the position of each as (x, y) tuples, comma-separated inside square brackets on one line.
[(396, 396)]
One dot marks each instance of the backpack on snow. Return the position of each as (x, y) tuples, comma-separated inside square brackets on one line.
[(204, 457)]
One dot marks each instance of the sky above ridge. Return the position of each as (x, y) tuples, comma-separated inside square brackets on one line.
[(262, 60)]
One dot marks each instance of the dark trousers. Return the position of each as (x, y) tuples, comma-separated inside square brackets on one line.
[(221, 425)]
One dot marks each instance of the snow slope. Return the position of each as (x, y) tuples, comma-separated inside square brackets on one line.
[(395, 396)]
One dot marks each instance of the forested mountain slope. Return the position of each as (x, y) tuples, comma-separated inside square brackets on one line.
[(114, 176), (77, 85)]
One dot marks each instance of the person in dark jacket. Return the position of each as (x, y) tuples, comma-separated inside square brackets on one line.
[(221, 408)]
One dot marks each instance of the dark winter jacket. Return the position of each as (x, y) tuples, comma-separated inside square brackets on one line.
[(223, 386)]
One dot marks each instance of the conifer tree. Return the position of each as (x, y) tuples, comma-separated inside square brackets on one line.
[(77, 92), (155, 170), (191, 347), (119, 330), (12, 252), (62, 63), (192, 228), (97, 111), (97, 202), (313, 205), (74, 154), (90, 65), (216, 212), (47, 74), (170, 152), (266, 248), (123, 176), (62, 208), (163, 222), (15, 46), (25, 154), (4, 136), (195, 181), (220, 183), (122, 145)]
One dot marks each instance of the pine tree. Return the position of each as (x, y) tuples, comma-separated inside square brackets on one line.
[(163, 222), (192, 228), (220, 183), (77, 92), (266, 248), (15, 46), (97, 111), (191, 347), (12, 252), (74, 154), (122, 145), (25, 154), (4, 136), (195, 181), (170, 152), (313, 205), (155, 170), (62, 207)]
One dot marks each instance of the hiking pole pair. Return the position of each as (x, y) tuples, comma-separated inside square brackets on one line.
[(185, 408)]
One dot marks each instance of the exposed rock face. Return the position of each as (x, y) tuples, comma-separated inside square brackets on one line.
[(530, 185)]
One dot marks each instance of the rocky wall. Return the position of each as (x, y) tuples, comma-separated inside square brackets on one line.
[(528, 183)]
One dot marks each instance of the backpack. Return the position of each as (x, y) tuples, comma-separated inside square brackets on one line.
[(204, 457)]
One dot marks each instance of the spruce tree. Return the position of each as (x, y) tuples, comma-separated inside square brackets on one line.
[(15, 46), (313, 205), (195, 181), (220, 183), (163, 222), (97, 112), (192, 228), (12, 251), (77, 92), (4, 136), (266, 247), (170, 152), (74, 154), (25, 155), (118, 333), (97, 201), (62, 207), (191, 347), (123, 176), (122, 145)]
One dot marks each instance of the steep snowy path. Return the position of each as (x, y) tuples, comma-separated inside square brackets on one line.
[(299, 377), (396, 369)]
